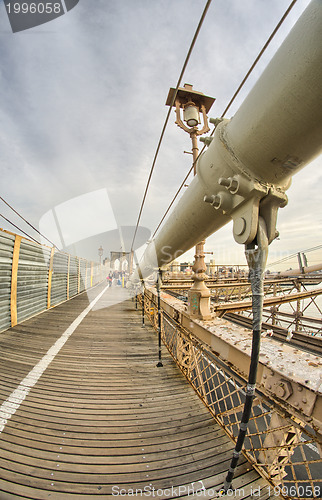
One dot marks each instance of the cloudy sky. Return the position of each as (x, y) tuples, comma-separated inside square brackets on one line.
[(83, 105)]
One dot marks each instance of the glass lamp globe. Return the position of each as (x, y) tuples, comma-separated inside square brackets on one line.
[(191, 115)]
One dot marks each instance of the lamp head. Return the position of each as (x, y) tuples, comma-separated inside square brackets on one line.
[(191, 114), (187, 95)]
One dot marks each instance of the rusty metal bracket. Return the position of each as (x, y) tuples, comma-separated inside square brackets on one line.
[(247, 215), (268, 209)]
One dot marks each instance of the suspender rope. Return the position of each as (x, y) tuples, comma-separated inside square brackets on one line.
[(256, 260)]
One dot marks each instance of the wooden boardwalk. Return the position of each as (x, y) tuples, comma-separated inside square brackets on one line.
[(102, 420)]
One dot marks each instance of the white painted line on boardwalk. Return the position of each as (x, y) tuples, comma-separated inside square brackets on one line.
[(12, 403)]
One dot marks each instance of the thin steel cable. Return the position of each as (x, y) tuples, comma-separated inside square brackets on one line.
[(168, 115), (14, 225), (229, 105), (174, 198), (25, 220), (291, 256), (259, 55)]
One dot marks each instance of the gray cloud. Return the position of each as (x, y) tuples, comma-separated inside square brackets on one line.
[(85, 94)]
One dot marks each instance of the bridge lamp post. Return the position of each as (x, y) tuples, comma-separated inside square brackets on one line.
[(100, 253), (192, 104)]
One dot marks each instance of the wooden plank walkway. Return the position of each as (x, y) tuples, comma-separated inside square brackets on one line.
[(102, 420)]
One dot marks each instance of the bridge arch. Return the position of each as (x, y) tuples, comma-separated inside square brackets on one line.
[(122, 259)]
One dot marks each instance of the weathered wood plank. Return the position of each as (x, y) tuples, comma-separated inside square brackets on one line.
[(102, 414)]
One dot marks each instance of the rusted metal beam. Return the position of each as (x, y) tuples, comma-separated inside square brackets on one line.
[(272, 301), (185, 284), (291, 369)]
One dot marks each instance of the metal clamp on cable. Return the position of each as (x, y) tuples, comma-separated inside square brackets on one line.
[(256, 260)]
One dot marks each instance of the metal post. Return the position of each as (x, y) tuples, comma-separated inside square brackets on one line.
[(298, 313), (199, 294), (143, 305), (195, 151), (159, 364), (131, 262), (299, 258)]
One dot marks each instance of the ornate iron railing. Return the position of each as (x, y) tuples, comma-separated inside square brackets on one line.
[(282, 448), (292, 303)]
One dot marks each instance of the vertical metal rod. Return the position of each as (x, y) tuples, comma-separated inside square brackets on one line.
[(195, 151), (298, 313), (299, 258), (199, 288), (143, 306), (159, 318), (274, 309)]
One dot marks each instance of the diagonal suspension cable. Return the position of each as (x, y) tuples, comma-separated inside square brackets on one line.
[(25, 220), (168, 115), (288, 10), (177, 193), (14, 225), (291, 256), (229, 105)]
